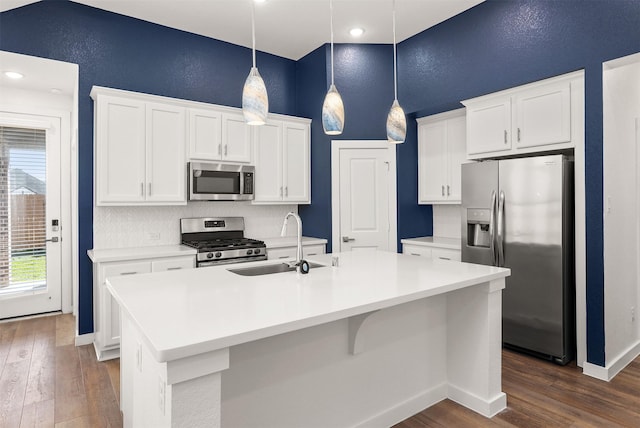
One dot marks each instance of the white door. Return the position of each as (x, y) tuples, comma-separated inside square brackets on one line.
[(30, 247), (366, 198)]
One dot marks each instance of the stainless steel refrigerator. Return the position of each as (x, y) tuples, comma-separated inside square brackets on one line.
[(518, 213)]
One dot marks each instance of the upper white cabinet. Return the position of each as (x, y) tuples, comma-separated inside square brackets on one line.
[(541, 116), (282, 160), (441, 151), (219, 136), (139, 151)]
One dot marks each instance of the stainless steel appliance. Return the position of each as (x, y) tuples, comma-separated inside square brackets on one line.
[(220, 241), (518, 213), (210, 181)]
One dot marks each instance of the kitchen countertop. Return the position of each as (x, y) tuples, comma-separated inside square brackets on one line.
[(238, 309), (292, 241), (136, 253), (434, 241)]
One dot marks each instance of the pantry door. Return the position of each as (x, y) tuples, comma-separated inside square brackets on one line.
[(363, 196), (30, 248)]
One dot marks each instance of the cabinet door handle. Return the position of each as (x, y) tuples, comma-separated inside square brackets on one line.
[(280, 191), (149, 189), (448, 191), (442, 190), (220, 149), (518, 134), (286, 191), (141, 189), (226, 150), (505, 136)]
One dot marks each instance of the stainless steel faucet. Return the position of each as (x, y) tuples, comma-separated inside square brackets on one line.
[(284, 231)]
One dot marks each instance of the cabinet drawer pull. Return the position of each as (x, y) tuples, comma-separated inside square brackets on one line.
[(312, 254), (505, 136), (283, 257), (415, 254), (174, 268), (444, 258), (128, 273)]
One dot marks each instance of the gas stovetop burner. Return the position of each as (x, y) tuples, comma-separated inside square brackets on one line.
[(220, 240)]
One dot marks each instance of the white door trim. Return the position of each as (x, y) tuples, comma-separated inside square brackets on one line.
[(67, 243), (336, 146)]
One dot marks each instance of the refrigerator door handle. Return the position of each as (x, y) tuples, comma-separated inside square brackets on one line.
[(500, 230), (492, 228)]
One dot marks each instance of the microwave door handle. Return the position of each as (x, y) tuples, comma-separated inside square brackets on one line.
[(492, 228), (500, 227)]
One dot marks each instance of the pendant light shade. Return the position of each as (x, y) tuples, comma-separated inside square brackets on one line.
[(396, 119), (333, 112), (255, 101), (396, 124), (332, 107)]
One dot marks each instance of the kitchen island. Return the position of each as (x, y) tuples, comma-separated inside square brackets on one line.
[(367, 343)]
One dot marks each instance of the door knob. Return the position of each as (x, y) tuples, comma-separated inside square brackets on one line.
[(347, 239), (54, 239)]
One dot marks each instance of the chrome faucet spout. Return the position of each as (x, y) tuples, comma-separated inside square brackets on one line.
[(299, 245)]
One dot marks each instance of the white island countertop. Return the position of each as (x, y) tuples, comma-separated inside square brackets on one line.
[(188, 312)]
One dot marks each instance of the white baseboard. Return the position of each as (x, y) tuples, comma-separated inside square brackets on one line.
[(406, 409), (84, 339), (609, 371), (488, 408)]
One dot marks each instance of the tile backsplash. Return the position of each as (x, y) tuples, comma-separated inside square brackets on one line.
[(446, 221), (120, 227)]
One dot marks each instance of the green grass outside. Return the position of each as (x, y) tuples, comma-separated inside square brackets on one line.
[(28, 268)]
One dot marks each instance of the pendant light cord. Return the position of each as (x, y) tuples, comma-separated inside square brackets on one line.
[(331, 19), (253, 31), (395, 66)]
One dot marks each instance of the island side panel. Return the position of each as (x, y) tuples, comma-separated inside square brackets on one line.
[(474, 347), (310, 378)]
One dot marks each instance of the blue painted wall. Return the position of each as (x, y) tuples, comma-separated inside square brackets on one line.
[(364, 78), (125, 53), (500, 44), (496, 45)]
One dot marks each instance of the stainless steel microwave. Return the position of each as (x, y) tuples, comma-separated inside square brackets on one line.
[(212, 181)]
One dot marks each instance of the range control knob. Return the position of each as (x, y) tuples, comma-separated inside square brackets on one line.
[(249, 252), (256, 251), (218, 254), (209, 255)]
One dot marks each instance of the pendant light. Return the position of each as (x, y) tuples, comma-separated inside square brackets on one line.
[(396, 120), (332, 107), (255, 102)]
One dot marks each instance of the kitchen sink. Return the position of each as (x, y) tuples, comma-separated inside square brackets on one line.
[(269, 269)]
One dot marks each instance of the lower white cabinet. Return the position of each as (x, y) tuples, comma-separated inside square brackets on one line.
[(290, 252), (106, 312), (433, 252)]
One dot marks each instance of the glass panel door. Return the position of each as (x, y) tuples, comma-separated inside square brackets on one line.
[(29, 213)]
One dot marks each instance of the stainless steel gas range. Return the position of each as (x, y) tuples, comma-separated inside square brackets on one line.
[(220, 240)]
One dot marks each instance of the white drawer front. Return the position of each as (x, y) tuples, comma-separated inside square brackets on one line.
[(416, 250), (173, 263), (442, 253)]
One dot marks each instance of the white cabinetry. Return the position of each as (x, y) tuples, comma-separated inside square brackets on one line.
[(290, 252), (218, 135), (139, 151), (434, 248), (441, 151), (106, 313), (282, 161), (540, 116)]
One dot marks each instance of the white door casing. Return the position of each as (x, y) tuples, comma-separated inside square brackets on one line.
[(363, 186), (48, 299)]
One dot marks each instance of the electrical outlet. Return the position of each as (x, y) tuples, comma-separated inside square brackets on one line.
[(153, 236), (161, 393)]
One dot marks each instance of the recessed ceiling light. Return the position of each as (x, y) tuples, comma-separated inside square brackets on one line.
[(13, 75), (356, 32)]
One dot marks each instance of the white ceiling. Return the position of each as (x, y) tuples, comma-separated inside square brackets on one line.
[(40, 74), (287, 28)]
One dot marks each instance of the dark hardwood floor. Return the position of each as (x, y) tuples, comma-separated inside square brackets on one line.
[(46, 381)]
